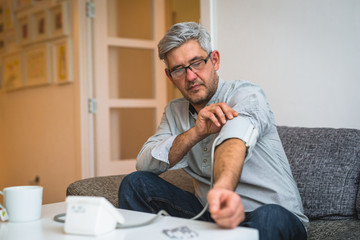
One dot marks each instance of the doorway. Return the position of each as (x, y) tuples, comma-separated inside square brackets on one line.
[(130, 86)]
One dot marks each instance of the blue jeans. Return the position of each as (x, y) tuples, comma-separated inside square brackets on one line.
[(146, 192)]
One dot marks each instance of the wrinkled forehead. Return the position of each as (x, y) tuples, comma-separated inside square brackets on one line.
[(184, 54)]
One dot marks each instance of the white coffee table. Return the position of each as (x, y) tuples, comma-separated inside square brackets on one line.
[(46, 228)]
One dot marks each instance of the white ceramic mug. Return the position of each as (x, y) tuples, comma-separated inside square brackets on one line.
[(23, 203)]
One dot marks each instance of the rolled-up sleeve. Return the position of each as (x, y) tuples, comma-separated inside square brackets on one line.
[(154, 155), (253, 119)]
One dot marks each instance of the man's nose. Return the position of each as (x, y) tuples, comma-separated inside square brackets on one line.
[(190, 75)]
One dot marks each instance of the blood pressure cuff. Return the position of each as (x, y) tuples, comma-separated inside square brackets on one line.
[(241, 128)]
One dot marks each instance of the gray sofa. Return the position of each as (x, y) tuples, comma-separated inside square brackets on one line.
[(326, 166)]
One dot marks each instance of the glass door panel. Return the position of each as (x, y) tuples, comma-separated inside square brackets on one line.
[(129, 130), (130, 19), (131, 73)]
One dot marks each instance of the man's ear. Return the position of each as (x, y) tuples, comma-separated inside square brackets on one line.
[(168, 75), (216, 59)]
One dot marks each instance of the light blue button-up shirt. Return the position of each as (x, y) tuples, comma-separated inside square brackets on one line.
[(266, 176)]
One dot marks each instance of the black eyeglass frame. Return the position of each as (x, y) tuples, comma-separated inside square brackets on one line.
[(189, 66)]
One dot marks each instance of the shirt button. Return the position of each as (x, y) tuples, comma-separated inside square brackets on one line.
[(204, 160), (205, 149)]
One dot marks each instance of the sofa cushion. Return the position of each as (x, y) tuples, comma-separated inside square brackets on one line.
[(358, 202), (326, 164), (348, 229)]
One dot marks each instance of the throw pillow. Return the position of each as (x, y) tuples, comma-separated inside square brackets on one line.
[(325, 163)]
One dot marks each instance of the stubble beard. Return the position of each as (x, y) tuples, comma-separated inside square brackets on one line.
[(209, 93)]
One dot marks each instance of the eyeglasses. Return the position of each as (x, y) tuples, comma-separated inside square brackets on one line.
[(195, 67)]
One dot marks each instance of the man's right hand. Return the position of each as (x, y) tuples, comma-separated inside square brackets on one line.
[(209, 121), (211, 118)]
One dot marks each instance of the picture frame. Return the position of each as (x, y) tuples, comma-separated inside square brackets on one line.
[(62, 61), (40, 26), (10, 40), (24, 30), (22, 4), (59, 20), (37, 65), (1, 76), (1, 11), (8, 14), (2, 28), (13, 71), (2, 44)]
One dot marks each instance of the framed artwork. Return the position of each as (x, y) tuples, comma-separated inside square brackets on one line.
[(2, 44), (23, 30), (8, 14), (1, 11), (37, 70), (10, 40), (1, 77), (21, 4), (59, 20), (40, 26), (13, 71), (62, 61), (2, 28)]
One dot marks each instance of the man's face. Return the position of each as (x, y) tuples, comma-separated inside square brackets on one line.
[(199, 86)]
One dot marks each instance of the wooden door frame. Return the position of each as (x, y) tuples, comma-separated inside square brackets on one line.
[(87, 84)]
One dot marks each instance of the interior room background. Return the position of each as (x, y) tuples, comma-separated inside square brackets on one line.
[(304, 54)]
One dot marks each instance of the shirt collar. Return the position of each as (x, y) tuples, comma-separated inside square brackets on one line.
[(214, 98)]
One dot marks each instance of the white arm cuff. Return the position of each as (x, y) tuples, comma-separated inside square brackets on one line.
[(240, 128)]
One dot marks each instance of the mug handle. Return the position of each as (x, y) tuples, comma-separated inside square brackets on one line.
[(3, 213)]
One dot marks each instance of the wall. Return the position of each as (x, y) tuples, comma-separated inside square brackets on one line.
[(304, 54), (40, 135)]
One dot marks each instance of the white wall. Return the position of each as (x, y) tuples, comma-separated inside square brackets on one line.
[(304, 54)]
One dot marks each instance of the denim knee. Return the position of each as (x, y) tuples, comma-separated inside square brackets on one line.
[(134, 181), (273, 208), (275, 222), (275, 214), (133, 189)]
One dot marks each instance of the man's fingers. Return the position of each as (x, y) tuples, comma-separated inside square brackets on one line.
[(221, 112), (231, 221), (228, 111), (227, 218), (226, 208), (214, 202), (212, 117)]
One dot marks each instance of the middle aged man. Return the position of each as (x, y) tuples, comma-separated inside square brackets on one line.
[(253, 186)]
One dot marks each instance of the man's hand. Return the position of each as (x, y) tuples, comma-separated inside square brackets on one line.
[(211, 118), (225, 207)]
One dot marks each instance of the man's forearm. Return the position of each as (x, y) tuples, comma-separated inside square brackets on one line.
[(182, 145), (229, 159)]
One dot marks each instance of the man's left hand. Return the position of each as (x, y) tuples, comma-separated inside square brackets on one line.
[(225, 207)]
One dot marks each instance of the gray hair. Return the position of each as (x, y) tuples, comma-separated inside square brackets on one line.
[(180, 33)]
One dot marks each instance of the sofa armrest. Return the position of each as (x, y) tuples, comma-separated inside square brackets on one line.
[(108, 186)]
